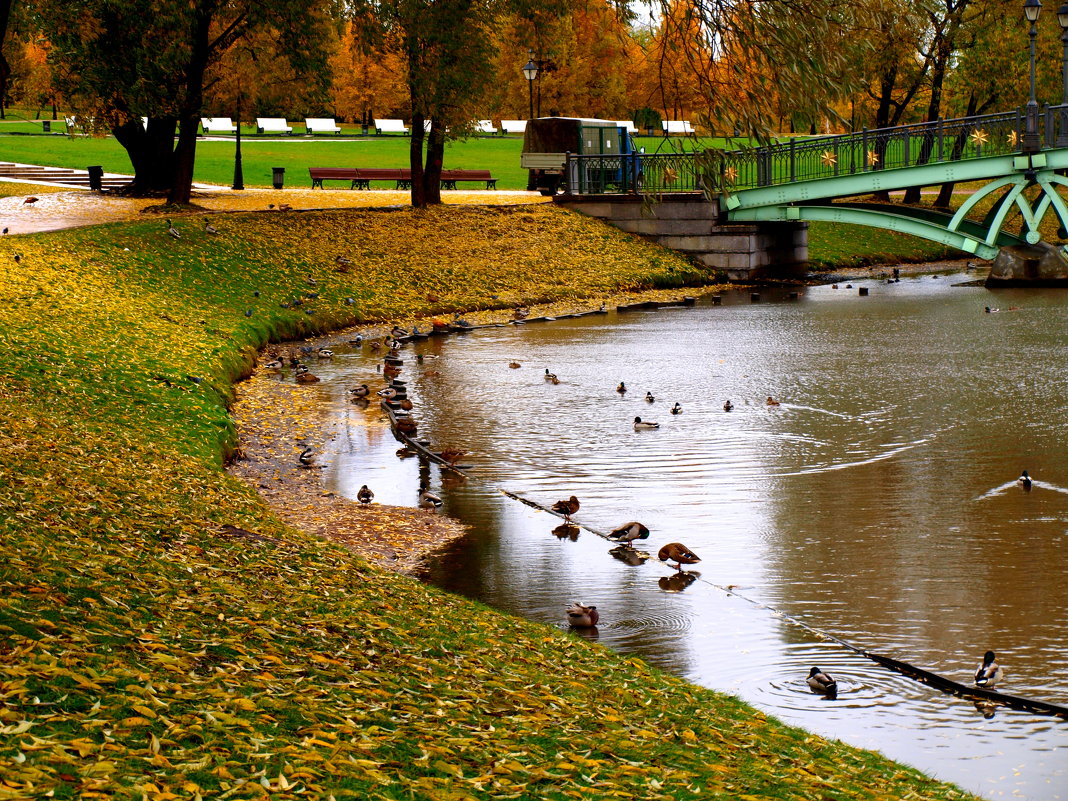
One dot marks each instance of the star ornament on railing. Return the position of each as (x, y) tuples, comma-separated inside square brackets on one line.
[(828, 158), (670, 176), (1013, 139), (980, 137), (873, 158), (730, 175)]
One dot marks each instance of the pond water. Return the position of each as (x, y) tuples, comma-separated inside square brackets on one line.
[(877, 503)]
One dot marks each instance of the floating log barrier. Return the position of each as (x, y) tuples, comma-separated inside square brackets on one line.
[(643, 306)]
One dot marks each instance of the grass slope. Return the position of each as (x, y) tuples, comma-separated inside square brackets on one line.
[(145, 653)]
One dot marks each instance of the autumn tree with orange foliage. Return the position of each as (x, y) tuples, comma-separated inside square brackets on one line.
[(366, 80)]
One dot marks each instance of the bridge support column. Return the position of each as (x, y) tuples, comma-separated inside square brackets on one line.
[(1029, 266), (753, 251)]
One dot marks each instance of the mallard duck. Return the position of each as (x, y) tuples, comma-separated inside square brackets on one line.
[(209, 228), (567, 507), (678, 552), (451, 455), (644, 425), (1024, 480), (397, 331), (629, 532), (990, 672), (553, 379), (728, 406), (344, 264), (387, 393), (406, 405), (173, 231), (306, 378), (362, 391), (514, 365), (549, 376), (364, 495), (582, 617), (677, 408), (427, 499), (520, 313), (407, 425), (31, 200), (822, 683), (325, 353), (649, 397), (622, 388), (273, 364), (771, 401), (307, 457)]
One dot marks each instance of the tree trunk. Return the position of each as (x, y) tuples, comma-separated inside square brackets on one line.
[(151, 153), (415, 161), (185, 153), (5, 68), (435, 157), (945, 191)]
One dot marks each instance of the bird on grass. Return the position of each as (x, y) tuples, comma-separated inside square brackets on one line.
[(1024, 480), (629, 532), (678, 552), (566, 507), (728, 406), (427, 499), (990, 672), (209, 228), (677, 408), (649, 397), (5, 230), (582, 617), (364, 495), (307, 457), (173, 231), (344, 264), (644, 425), (822, 683)]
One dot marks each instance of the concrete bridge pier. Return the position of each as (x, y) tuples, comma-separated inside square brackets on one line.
[(690, 224), (1041, 264)]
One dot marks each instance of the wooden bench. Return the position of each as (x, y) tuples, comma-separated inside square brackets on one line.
[(273, 125), (320, 174), (390, 126), (402, 176), (314, 125), (450, 177), (216, 125)]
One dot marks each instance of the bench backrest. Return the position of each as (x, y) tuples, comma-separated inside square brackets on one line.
[(321, 124), (224, 124), (631, 128), (273, 122), (485, 126), (677, 126), (382, 173), (466, 175), (513, 126), (391, 126), (340, 173)]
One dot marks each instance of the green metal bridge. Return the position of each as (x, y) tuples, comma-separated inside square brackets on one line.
[(820, 178)]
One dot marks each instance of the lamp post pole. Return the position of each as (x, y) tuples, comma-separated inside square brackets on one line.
[(530, 71), (239, 178), (1062, 20), (1031, 140)]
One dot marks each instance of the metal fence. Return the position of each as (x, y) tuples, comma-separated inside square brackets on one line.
[(806, 159)]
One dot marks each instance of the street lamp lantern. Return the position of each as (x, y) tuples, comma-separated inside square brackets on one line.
[(1062, 20), (530, 70), (1031, 141)]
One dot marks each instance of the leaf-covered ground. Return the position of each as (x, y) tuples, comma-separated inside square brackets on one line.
[(163, 635)]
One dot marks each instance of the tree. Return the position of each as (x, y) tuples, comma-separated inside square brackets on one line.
[(366, 80), (5, 68), (122, 61)]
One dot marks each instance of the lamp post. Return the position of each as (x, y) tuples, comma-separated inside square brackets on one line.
[(530, 70), (1062, 19), (1031, 141), (239, 177)]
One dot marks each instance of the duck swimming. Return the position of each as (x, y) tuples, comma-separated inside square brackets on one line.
[(822, 683), (771, 401), (649, 397), (728, 406), (1024, 480), (582, 617), (622, 388), (990, 672), (644, 425), (680, 553), (362, 391), (677, 408)]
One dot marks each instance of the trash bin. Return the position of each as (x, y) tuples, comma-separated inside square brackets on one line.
[(46, 126), (279, 176), (96, 178)]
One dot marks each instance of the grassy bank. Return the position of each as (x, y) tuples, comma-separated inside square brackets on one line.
[(145, 652)]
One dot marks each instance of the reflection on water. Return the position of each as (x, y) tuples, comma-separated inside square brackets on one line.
[(877, 502)]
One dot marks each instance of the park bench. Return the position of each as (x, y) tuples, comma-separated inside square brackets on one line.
[(390, 126), (402, 176), (450, 177), (273, 125), (314, 125), (320, 174), (216, 125), (513, 126), (680, 127), (485, 127), (630, 126)]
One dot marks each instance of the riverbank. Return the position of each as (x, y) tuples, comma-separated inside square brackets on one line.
[(163, 633)]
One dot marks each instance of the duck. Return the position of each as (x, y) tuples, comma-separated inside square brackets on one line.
[(30, 200), (344, 264), (427, 499), (273, 364), (629, 532), (306, 378), (362, 391), (649, 397), (520, 313), (356, 341), (566, 507), (406, 405), (644, 425), (822, 683), (407, 425), (209, 228), (173, 231), (387, 393), (549, 376), (771, 401), (514, 365), (364, 495), (680, 553), (451, 455), (554, 380), (325, 353), (622, 388), (990, 672), (1024, 480), (677, 408), (582, 617), (397, 331), (728, 406), (307, 457)]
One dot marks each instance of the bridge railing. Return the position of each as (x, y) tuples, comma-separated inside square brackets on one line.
[(805, 159)]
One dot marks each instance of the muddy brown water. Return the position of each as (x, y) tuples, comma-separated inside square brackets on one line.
[(877, 502)]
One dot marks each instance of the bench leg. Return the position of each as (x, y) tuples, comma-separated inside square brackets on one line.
[(317, 182)]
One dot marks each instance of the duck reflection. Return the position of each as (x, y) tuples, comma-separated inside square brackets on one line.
[(985, 707), (677, 582), (628, 555), (566, 531)]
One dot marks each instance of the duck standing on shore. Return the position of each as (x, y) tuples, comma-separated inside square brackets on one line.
[(364, 495)]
